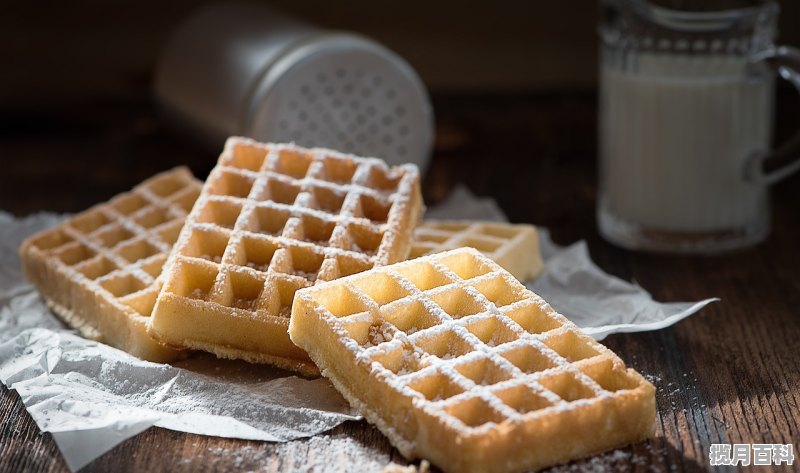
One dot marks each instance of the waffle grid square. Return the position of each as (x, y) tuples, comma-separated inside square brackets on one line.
[(99, 270), (273, 219), (455, 361), (515, 247)]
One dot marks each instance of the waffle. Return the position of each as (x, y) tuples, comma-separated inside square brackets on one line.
[(514, 247), (99, 270), (456, 362), (272, 219)]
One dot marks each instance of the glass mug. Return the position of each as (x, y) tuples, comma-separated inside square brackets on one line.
[(686, 119)]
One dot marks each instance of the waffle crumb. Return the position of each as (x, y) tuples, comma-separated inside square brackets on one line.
[(424, 467)]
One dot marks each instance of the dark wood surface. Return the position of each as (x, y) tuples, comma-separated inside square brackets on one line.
[(726, 375)]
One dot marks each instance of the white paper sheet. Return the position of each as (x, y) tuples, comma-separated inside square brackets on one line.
[(599, 303), (92, 397)]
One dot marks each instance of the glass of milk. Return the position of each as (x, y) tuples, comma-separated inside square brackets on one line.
[(686, 120)]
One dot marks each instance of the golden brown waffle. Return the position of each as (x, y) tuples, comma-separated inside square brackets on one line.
[(273, 219), (456, 362), (514, 247), (99, 270)]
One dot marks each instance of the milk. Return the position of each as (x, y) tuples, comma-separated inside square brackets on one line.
[(674, 136)]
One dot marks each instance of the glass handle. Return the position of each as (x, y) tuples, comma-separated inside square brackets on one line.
[(768, 167)]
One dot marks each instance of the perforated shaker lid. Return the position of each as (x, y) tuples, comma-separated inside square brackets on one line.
[(344, 92)]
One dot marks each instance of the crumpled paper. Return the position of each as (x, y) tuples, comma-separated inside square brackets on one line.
[(599, 303), (91, 397)]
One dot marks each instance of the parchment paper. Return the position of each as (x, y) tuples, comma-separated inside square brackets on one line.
[(599, 303), (91, 397)]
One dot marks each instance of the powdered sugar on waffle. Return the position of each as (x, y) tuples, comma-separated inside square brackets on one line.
[(515, 247), (272, 219), (401, 339), (454, 368), (128, 237), (308, 184)]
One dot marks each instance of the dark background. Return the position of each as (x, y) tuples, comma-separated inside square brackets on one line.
[(513, 85), (66, 53)]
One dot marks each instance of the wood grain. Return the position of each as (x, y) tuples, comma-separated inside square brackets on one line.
[(728, 374)]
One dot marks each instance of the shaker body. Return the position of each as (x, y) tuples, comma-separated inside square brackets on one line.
[(241, 69), (213, 62)]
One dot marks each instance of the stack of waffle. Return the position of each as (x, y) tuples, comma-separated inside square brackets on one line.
[(296, 257)]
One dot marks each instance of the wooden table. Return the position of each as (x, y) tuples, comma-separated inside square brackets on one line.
[(727, 375)]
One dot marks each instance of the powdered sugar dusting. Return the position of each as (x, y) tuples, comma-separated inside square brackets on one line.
[(92, 396), (285, 217), (609, 462), (480, 345)]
